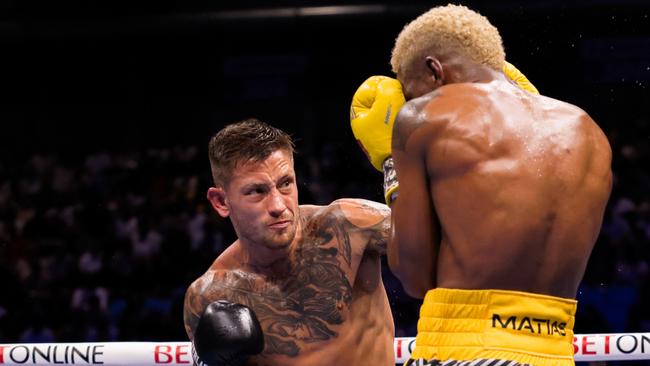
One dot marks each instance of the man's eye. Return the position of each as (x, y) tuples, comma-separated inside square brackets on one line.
[(255, 191), (286, 184)]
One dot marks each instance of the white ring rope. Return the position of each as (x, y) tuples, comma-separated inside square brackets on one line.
[(587, 347)]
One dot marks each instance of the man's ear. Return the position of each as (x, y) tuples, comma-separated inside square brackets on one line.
[(218, 200), (435, 68)]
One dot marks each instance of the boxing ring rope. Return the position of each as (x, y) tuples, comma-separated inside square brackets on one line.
[(587, 347)]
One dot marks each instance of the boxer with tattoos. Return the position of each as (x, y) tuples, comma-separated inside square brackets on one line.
[(302, 284)]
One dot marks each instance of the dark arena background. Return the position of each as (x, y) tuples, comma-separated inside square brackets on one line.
[(107, 107)]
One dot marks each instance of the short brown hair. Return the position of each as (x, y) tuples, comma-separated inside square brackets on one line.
[(451, 27), (249, 140)]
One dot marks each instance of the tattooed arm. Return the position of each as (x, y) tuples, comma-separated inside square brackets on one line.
[(193, 306), (225, 333), (211, 286), (216, 284), (370, 218)]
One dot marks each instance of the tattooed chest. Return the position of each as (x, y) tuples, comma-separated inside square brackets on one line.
[(304, 310), (306, 306)]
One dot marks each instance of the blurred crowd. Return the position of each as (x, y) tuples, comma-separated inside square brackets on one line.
[(101, 246)]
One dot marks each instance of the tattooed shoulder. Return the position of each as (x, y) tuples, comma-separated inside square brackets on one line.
[(212, 286), (362, 213), (192, 308), (370, 219)]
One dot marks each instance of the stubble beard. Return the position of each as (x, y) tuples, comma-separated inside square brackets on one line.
[(282, 239)]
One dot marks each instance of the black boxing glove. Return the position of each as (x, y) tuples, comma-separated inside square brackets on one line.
[(227, 334)]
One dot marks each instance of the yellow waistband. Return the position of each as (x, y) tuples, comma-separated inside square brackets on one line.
[(470, 324)]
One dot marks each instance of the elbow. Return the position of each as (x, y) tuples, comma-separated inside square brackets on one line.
[(414, 287), (413, 270), (414, 290), (413, 283)]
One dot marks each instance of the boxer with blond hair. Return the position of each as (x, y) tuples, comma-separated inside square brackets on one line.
[(499, 194)]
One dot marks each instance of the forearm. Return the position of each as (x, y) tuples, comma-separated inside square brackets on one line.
[(414, 268), (413, 243)]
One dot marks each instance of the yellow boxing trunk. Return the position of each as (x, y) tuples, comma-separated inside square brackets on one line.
[(465, 325)]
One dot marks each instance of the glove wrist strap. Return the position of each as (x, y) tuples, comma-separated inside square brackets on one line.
[(195, 357), (391, 184), (198, 362)]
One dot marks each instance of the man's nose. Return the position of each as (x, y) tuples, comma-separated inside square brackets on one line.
[(276, 204)]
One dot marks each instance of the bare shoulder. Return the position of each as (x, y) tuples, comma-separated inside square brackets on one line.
[(353, 222), (362, 213), (198, 289), (218, 284), (428, 113), (215, 284), (590, 125), (407, 121), (197, 298), (595, 135), (369, 219), (358, 212), (307, 211), (560, 106)]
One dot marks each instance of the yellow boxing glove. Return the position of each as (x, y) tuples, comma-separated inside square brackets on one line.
[(372, 114), (515, 75)]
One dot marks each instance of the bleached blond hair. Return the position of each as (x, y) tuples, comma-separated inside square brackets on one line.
[(450, 28)]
